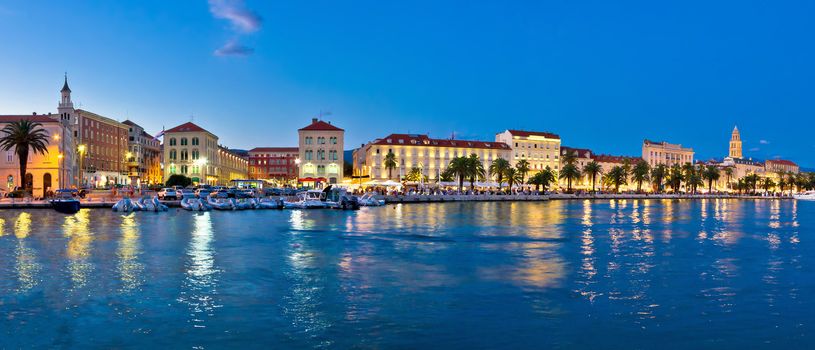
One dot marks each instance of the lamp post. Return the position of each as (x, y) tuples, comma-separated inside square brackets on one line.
[(59, 164), (81, 148)]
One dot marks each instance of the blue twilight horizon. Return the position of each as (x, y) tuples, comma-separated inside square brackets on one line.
[(602, 75)]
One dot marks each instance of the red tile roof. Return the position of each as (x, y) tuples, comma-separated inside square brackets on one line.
[(186, 127), (523, 133), (320, 125), (424, 140), (579, 152), (781, 161), (39, 118), (274, 149)]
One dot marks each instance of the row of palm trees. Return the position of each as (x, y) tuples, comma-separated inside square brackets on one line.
[(661, 178)]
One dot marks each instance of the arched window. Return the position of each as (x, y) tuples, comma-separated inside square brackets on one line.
[(172, 141), (183, 141), (195, 141), (184, 155), (195, 151), (173, 154), (183, 169)]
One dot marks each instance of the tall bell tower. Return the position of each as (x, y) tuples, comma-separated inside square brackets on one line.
[(735, 144), (66, 106)]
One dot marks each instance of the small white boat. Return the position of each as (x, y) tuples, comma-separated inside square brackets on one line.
[(220, 203), (311, 199), (369, 200), (125, 205), (339, 198), (806, 196), (150, 204), (243, 203), (270, 203), (193, 204)]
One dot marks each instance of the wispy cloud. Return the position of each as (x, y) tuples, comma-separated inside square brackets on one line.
[(242, 21), (764, 142), (233, 48), (755, 149), (235, 11)]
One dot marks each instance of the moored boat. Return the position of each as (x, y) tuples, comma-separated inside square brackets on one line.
[(65, 202), (125, 205), (369, 200), (806, 196)]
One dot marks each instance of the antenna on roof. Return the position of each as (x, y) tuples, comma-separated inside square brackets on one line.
[(322, 113), (192, 117)]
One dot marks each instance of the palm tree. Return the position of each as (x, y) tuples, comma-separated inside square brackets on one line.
[(767, 184), (459, 168), (569, 157), (523, 168), (475, 170), (543, 178), (675, 177), (569, 172), (592, 169), (728, 173), (711, 174), (641, 172), (498, 168), (24, 136), (512, 176), (751, 181), (791, 181), (658, 174), (689, 171), (415, 174), (390, 163), (617, 176)]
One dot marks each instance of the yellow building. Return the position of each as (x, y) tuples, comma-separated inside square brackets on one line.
[(668, 154), (735, 144), (431, 156), (192, 151), (321, 152), (539, 149), (44, 172)]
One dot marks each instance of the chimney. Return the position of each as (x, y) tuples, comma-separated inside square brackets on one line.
[(313, 120)]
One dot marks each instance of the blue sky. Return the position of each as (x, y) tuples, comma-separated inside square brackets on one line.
[(602, 74)]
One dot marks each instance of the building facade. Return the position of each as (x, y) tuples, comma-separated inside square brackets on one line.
[(57, 167), (539, 149), (321, 152), (44, 172), (143, 156), (192, 151), (665, 153), (102, 149), (430, 156), (273, 163), (780, 166)]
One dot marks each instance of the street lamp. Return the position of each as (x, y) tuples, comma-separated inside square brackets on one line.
[(59, 164), (81, 148)]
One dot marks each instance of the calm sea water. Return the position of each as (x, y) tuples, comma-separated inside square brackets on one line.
[(563, 274)]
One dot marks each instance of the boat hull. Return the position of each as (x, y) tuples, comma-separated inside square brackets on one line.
[(66, 206)]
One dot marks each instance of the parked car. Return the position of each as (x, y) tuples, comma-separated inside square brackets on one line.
[(167, 194), (202, 192), (184, 192)]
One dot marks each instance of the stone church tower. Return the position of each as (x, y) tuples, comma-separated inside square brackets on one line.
[(735, 144), (66, 113)]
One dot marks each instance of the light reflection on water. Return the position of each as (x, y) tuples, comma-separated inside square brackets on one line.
[(636, 272)]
